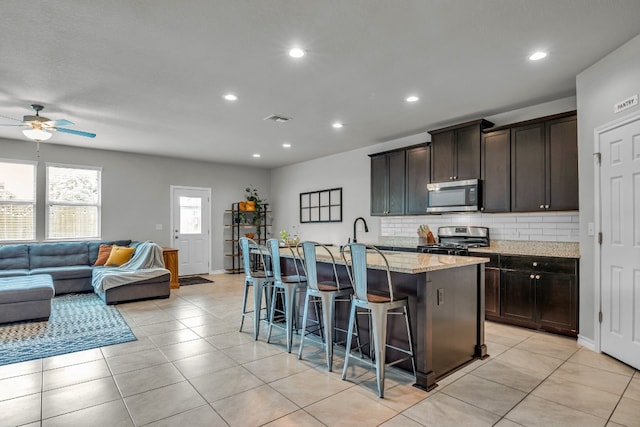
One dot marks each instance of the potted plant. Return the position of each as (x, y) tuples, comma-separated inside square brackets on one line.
[(257, 204)]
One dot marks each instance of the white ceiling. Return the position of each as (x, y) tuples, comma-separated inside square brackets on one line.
[(148, 75)]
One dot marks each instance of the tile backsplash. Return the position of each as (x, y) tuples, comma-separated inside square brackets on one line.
[(543, 226)]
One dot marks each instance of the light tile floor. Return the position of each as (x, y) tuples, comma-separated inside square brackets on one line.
[(191, 367)]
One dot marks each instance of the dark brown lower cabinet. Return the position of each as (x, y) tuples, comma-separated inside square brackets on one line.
[(534, 292)]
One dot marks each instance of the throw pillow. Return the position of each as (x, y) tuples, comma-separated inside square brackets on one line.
[(103, 254), (119, 255)]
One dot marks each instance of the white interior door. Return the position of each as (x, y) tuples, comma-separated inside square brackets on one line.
[(619, 184), (191, 213)]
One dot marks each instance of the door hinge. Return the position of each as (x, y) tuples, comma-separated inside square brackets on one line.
[(598, 157), (600, 316), (600, 237)]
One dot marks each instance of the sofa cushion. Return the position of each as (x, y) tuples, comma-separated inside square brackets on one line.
[(14, 257), (58, 254), (119, 255), (65, 272), (14, 272), (103, 255), (94, 247), (30, 288)]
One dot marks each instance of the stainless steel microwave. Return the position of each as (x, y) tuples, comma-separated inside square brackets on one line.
[(454, 196)]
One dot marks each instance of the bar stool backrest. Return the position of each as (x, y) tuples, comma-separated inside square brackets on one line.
[(246, 244), (358, 274), (274, 249), (310, 260)]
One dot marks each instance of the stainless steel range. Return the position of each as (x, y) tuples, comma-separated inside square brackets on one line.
[(457, 240)]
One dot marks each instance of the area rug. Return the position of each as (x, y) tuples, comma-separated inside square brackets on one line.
[(77, 322), (193, 280)]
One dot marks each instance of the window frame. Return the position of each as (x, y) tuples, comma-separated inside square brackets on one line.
[(48, 203), (33, 203)]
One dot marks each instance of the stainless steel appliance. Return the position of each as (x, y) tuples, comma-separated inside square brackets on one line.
[(454, 196), (457, 240)]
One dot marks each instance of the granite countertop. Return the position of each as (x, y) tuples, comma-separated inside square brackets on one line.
[(402, 262), (505, 247)]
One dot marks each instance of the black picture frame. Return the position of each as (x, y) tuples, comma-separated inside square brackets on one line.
[(321, 206)]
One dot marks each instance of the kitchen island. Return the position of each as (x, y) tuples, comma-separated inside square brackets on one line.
[(446, 307)]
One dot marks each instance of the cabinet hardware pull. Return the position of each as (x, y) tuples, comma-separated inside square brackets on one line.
[(537, 276), (546, 206), (532, 277), (541, 206), (535, 264)]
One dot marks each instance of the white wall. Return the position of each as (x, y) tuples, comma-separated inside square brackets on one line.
[(136, 189), (598, 88)]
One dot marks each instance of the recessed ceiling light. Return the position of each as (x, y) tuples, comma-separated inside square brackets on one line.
[(412, 98), (296, 52), (537, 55), (337, 125), (256, 155), (230, 97), (286, 145)]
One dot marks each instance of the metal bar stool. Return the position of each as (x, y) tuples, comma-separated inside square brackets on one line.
[(324, 292), (259, 279), (288, 285), (378, 306)]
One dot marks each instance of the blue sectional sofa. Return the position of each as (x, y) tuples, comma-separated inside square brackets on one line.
[(70, 264)]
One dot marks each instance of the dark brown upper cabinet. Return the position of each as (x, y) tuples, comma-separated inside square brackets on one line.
[(387, 183), (455, 151), (496, 171), (399, 181), (418, 166), (544, 165)]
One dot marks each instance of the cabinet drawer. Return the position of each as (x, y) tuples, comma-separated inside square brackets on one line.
[(541, 264)]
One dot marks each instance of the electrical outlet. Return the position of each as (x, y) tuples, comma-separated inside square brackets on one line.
[(591, 229)]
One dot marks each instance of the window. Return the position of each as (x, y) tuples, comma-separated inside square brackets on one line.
[(73, 202), (17, 200)]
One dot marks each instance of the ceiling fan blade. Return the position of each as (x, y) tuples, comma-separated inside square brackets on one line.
[(12, 125), (75, 132), (10, 118), (54, 123)]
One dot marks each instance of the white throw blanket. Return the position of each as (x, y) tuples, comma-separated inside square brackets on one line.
[(146, 263)]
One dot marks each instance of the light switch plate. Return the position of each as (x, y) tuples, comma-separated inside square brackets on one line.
[(591, 229), (158, 226)]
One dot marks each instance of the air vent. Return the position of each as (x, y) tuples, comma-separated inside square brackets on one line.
[(278, 119)]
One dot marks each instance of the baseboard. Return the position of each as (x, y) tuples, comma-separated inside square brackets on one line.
[(587, 343)]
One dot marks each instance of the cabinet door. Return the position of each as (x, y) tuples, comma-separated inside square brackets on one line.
[(517, 296), (442, 156), (492, 292), (417, 178), (467, 154), (396, 183), (496, 172), (562, 164), (379, 184), (556, 302), (527, 168)]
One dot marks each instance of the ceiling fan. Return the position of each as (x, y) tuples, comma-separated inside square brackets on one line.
[(39, 128)]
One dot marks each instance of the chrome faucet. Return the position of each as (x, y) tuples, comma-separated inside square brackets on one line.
[(366, 228)]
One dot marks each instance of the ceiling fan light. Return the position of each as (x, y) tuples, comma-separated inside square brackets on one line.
[(37, 134)]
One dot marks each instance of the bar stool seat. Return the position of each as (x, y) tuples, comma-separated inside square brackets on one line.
[(258, 279), (378, 307)]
